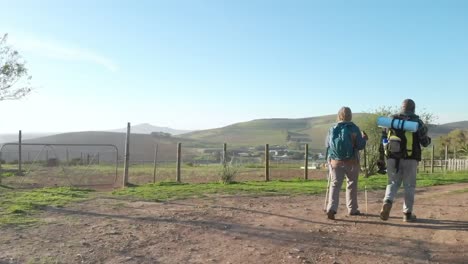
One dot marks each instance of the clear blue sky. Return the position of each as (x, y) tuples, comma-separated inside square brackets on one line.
[(204, 64)]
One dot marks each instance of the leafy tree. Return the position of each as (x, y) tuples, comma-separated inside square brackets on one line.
[(14, 77), (456, 140)]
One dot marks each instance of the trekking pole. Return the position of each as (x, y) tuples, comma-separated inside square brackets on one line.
[(328, 188), (365, 196)]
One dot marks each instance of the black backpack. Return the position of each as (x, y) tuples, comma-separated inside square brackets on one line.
[(400, 142)]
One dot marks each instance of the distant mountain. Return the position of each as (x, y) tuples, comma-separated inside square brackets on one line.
[(438, 130), (142, 147), (4, 138), (146, 128)]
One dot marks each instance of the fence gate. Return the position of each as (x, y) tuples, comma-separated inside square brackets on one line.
[(33, 165)]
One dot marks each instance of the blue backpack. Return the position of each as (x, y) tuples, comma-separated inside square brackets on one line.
[(340, 142)]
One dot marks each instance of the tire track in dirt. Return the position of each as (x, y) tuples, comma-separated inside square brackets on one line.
[(244, 229)]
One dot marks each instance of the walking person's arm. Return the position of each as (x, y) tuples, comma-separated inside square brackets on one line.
[(424, 139), (361, 139)]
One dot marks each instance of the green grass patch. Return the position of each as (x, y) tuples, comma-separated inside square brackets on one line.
[(423, 180), (17, 207), (170, 190), (460, 191)]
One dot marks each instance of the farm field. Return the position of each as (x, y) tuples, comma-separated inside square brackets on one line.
[(110, 176), (254, 222)]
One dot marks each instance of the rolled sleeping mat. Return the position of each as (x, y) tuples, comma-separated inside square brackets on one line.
[(406, 125)]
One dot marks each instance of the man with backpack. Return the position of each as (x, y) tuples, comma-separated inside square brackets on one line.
[(403, 152), (344, 140)]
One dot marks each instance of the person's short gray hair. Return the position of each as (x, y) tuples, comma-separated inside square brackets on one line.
[(345, 114), (408, 106)]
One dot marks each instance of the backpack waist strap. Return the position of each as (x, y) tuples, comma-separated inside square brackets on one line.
[(344, 162)]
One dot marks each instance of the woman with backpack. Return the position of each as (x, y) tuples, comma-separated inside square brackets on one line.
[(344, 140)]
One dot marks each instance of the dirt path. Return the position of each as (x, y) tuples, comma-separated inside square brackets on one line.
[(245, 230)]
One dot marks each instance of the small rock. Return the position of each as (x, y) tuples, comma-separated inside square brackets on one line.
[(84, 243)]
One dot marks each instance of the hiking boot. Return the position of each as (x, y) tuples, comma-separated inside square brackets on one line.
[(357, 212), (331, 215), (409, 217), (385, 212)]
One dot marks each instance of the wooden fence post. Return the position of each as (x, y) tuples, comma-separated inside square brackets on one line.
[(267, 163), (446, 157), (20, 170), (432, 158), (155, 162), (127, 156), (179, 151), (224, 154), (366, 171), (306, 162)]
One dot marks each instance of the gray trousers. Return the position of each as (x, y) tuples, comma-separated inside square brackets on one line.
[(337, 173), (407, 175)]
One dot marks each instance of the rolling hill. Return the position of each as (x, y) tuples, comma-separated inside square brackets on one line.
[(142, 146), (272, 131), (439, 130), (276, 131), (311, 130)]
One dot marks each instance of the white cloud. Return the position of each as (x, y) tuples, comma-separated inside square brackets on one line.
[(56, 50)]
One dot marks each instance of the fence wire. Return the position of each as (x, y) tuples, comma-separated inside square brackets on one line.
[(47, 165)]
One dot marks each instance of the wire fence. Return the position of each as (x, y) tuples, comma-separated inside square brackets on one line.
[(48, 165), (30, 165)]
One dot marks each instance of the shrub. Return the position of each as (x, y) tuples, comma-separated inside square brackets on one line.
[(228, 173)]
